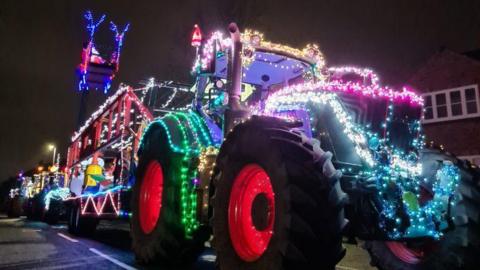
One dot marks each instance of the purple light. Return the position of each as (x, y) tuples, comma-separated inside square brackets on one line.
[(195, 181)]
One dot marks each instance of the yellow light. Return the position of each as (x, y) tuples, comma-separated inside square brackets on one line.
[(40, 168), (51, 147)]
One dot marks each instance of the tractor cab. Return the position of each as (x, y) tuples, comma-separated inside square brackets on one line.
[(265, 68)]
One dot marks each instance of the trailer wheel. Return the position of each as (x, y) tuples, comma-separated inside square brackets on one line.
[(78, 225), (459, 248), (277, 202), (158, 235)]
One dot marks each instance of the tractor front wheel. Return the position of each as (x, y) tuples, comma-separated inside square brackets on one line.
[(277, 202), (459, 248)]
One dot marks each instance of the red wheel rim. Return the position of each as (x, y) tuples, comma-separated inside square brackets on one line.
[(249, 242), (151, 197), (404, 253)]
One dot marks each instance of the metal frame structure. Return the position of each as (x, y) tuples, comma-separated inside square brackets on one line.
[(115, 129)]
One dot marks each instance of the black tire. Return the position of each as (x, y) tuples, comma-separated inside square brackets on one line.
[(308, 205), (78, 225), (460, 248), (55, 212), (15, 207), (35, 208), (29, 209), (167, 242)]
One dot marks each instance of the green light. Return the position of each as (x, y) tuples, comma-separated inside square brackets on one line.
[(194, 137)]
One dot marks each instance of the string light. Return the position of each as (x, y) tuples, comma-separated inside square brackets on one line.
[(99, 211), (253, 41), (195, 140), (374, 91), (397, 174), (56, 194), (363, 72), (90, 54)]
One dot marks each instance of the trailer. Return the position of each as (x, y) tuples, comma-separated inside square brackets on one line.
[(102, 155)]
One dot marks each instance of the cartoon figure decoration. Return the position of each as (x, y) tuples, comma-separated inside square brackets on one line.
[(94, 71)]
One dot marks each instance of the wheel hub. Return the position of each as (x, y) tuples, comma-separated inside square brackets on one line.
[(404, 253), (151, 197), (251, 212)]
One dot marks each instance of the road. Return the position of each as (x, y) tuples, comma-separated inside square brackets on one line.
[(35, 245)]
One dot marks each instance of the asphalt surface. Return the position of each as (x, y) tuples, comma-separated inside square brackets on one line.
[(36, 245)]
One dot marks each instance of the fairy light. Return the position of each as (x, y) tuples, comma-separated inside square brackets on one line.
[(107, 195), (374, 91), (119, 35), (56, 194), (363, 72), (89, 54), (99, 211), (398, 175), (252, 41), (194, 138)]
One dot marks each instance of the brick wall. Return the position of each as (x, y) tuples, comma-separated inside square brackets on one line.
[(460, 137), (444, 70)]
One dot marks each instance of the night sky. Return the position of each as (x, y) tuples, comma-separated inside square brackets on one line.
[(40, 46)]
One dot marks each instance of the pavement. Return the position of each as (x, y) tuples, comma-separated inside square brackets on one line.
[(36, 245)]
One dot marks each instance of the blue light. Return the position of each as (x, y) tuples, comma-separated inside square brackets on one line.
[(56, 194), (107, 68)]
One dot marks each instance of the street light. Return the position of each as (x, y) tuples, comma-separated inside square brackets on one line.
[(52, 147)]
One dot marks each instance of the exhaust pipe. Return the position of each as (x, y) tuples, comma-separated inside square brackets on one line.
[(235, 68), (235, 111)]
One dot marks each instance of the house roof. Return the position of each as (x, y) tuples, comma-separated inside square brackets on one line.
[(474, 54), (445, 69)]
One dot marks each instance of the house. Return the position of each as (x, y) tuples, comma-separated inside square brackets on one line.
[(449, 82)]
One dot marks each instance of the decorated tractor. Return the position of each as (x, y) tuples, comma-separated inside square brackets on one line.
[(44, 194), (16, 197), (280, 158)]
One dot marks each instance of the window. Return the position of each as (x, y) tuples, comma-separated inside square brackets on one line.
[(456, 103), (428, 107), (441, 105), (452, 104), (471, 98)]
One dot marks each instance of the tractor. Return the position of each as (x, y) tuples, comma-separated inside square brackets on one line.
[(280, 159), (44, 194)]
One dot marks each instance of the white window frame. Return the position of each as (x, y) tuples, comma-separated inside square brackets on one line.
[(449, 116)]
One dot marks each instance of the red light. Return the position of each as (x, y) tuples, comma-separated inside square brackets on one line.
[(196, 36)]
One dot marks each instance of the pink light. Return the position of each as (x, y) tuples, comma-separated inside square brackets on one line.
[(216, 39), (374, 91), (363, 72), (115, 207)]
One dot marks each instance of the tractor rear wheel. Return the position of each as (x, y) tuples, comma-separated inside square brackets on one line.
[(277, 202), (459, 248), (158, 235)]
